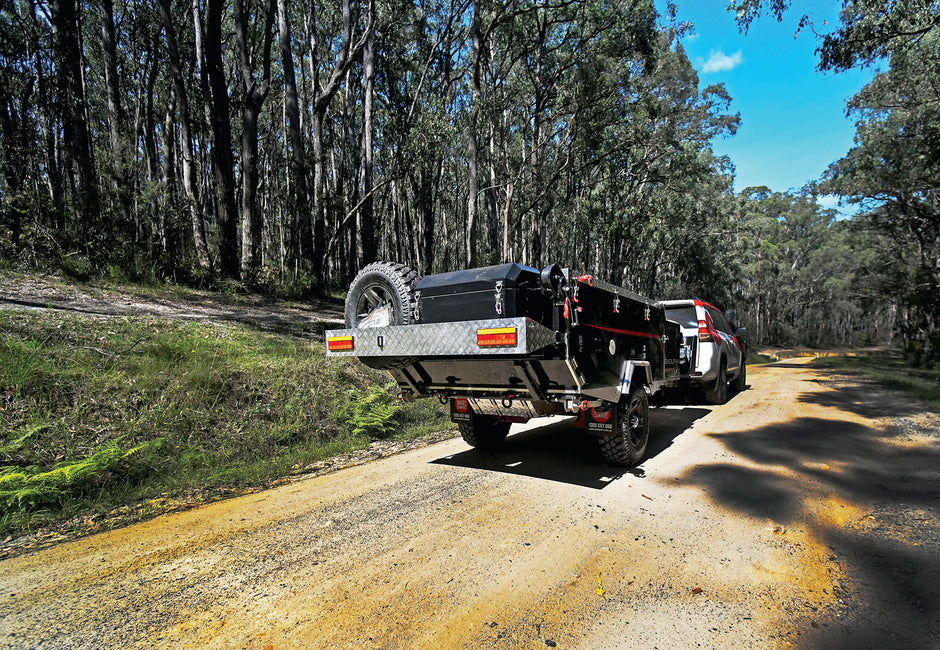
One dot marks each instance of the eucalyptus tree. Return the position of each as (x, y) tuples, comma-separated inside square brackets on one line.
[(418, 90), (21, 93), (644, 174), (805, 277), (894, 168), (223, 168), (329, 70), (253, 44), (868, 30), (73, 105), (186, 126)]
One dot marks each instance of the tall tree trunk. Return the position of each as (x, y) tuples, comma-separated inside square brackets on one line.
[(47, 113), (109, 50), (366, 213), (323, 94), (157, 244), (255, 95), (299, 204), (185, 123), (491, 203), (319, 198), (73, 106), (116, 117), (473, 179), (224, 168)]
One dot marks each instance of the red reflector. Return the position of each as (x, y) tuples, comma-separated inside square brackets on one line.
[(497, 336), (461, 405), (335, 343)]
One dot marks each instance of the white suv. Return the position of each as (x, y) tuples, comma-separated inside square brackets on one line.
[(718, 350)]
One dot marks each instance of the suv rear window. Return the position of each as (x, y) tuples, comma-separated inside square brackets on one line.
[(685, 316)]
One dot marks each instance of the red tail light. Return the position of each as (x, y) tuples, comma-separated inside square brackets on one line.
[(497, 336), (340, 343), (704, 332)]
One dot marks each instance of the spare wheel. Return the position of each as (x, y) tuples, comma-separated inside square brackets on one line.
[(381, 294)]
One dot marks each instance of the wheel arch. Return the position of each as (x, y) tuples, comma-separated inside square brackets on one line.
[(636, 373)]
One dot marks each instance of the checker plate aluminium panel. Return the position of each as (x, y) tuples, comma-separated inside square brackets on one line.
[(441, 339)]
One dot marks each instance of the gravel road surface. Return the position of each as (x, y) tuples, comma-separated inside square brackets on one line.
[(802, 513)]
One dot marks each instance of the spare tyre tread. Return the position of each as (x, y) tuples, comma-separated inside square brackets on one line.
[(399, 279)]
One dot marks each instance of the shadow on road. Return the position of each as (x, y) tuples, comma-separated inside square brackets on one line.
[(860, 399), (800, 474), (558, 451)]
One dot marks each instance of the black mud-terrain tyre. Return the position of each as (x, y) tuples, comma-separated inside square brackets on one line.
[(381, 294), (740, 382), (484, 431), (718, 394), (628, 446)]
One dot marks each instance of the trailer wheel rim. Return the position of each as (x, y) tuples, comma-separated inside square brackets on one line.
[(636, 423), (374, 300)]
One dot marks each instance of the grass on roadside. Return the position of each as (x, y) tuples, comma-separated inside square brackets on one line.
[(755, 358), (100, 413), (892, 369)]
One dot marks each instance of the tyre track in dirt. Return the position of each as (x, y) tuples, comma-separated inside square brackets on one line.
[(799, 513)]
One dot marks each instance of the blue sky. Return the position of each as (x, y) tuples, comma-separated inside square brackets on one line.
[(793, 121)]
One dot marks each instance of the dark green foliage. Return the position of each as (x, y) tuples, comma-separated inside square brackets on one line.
[(894, 171), (803, 277)]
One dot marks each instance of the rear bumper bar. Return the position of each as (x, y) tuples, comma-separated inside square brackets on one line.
[(499, 336)]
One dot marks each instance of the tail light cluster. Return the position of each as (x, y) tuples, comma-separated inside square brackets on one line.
[(706, 330)]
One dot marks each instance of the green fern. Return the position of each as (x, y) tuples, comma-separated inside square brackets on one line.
[(11, 478), (374, 412), (28, 432), (27, 489)]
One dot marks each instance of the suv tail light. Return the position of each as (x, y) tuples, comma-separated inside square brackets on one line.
[(704, 332)]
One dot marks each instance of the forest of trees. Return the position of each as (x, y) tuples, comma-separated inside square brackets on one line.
[(283, 145)]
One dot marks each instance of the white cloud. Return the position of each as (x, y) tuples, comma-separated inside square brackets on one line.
[(721, 62)]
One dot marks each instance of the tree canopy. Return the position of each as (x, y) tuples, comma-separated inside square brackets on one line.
[(285, 145)]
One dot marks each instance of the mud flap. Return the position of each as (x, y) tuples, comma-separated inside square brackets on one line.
[(601, 422), (460, 410)]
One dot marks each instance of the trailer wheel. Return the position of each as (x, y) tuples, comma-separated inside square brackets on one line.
[(628, 445), (483, 431), (719, 393), (381, 294)]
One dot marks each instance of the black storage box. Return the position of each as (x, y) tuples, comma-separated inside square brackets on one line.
[(504, 291)]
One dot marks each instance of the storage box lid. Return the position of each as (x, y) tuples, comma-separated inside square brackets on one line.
[(513, 276)]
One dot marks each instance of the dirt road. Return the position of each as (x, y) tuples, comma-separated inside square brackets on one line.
[(803, 512)]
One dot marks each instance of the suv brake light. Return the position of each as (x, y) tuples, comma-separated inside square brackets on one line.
[(704, 332)]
